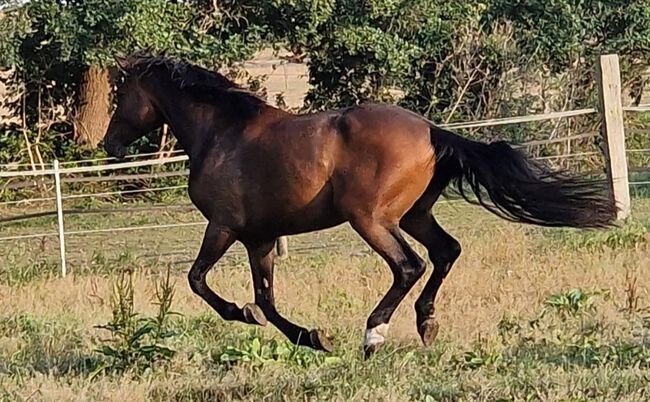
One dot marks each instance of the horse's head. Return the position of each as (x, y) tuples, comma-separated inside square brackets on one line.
[(135, 115)]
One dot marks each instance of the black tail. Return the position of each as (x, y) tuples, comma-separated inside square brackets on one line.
[(516, 188)]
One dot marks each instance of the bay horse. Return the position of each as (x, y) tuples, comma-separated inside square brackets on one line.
[(258, 173)]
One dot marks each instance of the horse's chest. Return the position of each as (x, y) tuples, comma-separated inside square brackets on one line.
[(218, 197)]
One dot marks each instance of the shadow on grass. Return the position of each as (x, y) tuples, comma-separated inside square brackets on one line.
[(586, 353), (43, 347)]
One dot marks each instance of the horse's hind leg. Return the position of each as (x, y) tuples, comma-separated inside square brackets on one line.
[(216, 242), (261, 257), (407, 267), (443, 251)]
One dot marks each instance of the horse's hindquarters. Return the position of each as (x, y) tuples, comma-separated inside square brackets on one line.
[(386, 164)]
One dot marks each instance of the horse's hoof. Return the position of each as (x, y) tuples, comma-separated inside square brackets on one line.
[(320, 340), (428, 331), (253, 314)]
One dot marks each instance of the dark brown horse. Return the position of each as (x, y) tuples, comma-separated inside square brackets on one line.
[(257, 173)]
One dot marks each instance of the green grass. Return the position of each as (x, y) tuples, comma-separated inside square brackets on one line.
[(578, 357), (526, 315)]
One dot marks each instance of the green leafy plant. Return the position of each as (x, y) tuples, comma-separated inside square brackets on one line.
[(572, 302), (475, 359), (136, 343), (257, 352), (482, 355)]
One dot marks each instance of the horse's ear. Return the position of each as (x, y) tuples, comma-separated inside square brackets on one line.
[(122, 62)]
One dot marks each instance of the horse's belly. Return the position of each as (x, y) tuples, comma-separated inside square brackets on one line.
[(295, 210)]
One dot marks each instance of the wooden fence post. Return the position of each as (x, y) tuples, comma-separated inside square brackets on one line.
[(612, 129)]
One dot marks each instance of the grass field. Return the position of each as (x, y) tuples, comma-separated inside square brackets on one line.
[(526, 314)]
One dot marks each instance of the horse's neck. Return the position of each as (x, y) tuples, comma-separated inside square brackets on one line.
[(197, 129), (192, 123)]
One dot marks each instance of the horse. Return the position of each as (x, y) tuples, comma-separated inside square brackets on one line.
[(258, 173)]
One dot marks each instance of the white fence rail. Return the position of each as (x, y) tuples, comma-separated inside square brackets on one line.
[(58, 172)]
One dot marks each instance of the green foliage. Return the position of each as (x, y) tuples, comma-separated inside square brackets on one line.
[(65, 35), (48, 348), (49, 45), (573, 302), (447, 60), (25, 272), (558, 33), (12, 32), (576, 339), (258, 352), (631, 235), (475, 359), (136, 342)]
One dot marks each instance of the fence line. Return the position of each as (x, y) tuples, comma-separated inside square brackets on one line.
[(459, 125), (157, 226), (613, 134), (574, 155), (105, 194), (134, 156), (43, 214), (28, 201), (100, 168), (130, 228), (520, 119), (637, 108), (107, 159), (556, 140), (29, 236)]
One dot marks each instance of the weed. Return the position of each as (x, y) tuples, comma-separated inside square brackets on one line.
[(479, 357), (573, 302), (631, 292), (136, 342), (258, 353)]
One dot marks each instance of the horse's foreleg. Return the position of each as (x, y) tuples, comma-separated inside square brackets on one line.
[(407, 268), (261, 259), (216, 242), (443, 251)]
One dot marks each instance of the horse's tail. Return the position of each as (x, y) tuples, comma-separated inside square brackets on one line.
[(514, 187)]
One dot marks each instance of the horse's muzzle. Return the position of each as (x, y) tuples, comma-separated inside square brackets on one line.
[(115, 149)]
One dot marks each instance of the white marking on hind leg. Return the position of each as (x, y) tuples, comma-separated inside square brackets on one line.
[(375, 336)]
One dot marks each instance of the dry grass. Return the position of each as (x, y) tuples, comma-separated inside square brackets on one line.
[(502, 280)]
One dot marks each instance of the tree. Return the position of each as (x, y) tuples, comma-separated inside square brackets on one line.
[(464, 60), (62, 54)]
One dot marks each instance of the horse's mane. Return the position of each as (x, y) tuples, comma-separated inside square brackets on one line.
[(205, 85)]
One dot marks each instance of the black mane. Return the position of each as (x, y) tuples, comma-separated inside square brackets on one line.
[(204, 85)]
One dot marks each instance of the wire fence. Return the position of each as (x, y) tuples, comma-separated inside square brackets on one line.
[(61, 177)]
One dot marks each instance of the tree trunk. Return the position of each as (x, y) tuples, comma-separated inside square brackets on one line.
[(94, 107)]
